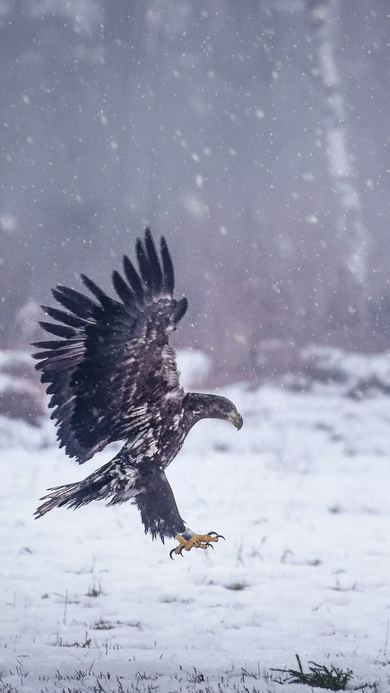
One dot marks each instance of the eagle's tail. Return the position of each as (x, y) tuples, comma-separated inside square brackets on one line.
[(105, 482), (72, 495)]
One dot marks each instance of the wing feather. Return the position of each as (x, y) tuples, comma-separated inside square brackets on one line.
[(133, 279), (61, 316), (168, 273), (124, 292), (111, 369), (55, 344), (78, 304), (58, 330), (144, 268), (95, 289), (154, 263), (179, 309)]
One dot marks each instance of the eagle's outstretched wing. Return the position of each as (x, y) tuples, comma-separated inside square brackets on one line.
[(112, 366)]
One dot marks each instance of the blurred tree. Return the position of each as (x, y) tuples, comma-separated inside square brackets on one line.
[(348, 295)]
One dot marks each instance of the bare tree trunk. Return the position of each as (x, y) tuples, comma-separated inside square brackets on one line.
[(156, 53), (349, 306)]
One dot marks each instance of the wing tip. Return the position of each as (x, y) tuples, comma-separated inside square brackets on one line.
[(167, 267), (180, 310)]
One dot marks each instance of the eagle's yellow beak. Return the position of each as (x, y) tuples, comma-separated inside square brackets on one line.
[(236, 419)]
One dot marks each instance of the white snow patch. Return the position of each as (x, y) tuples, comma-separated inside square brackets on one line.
[(193, 366)]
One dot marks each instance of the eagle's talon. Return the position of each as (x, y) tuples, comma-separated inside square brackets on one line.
[(196, 541), (215, 534)]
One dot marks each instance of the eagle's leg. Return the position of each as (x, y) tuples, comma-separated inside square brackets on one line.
[(188, 540)]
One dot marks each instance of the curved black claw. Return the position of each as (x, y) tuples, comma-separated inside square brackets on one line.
[(215, 534), (174, 551), (208, 544)]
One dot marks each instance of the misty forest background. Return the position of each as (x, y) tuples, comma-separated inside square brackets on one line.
[(255, 135)]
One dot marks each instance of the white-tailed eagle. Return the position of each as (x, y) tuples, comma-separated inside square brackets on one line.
[(112, 376)]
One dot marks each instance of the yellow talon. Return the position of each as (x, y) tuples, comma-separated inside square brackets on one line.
[(197, 541)]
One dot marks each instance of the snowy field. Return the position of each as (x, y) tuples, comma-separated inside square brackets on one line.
[(301, 493)]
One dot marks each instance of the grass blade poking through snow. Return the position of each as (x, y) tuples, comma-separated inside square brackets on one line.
[(332, 678)]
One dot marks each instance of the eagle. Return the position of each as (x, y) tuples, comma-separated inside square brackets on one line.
[(112, 376)]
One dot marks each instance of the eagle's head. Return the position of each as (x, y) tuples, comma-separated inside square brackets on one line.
[(214, 407)]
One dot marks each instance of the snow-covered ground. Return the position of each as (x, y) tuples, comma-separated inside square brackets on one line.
[(301, 493)]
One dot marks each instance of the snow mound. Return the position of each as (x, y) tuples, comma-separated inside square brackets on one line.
[(22, 404), (351, 374)]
